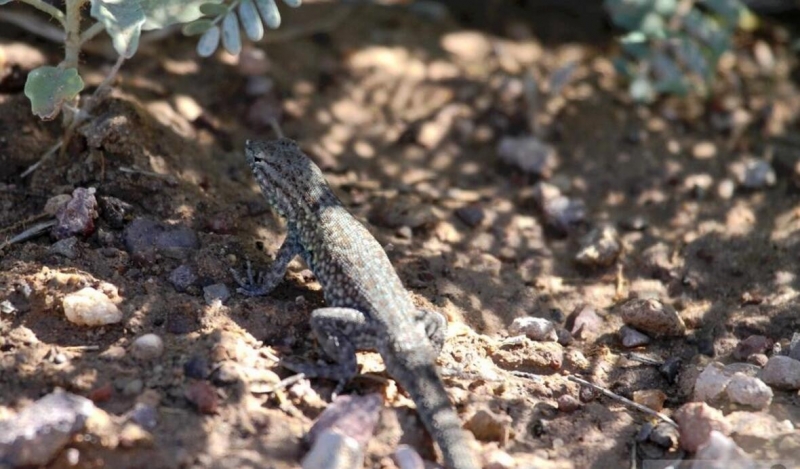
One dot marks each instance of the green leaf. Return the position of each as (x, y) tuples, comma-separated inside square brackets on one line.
[(208, 42), (197, 27), (213, 9), (162, 13), (49, 87), (251, 22), (123, 21)]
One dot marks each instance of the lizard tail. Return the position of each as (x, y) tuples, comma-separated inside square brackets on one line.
[(423, 384)]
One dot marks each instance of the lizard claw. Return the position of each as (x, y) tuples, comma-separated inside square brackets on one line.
[(252, 285)]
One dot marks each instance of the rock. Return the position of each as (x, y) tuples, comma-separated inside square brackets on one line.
[(726, 189), (632, 338), (487, 425), (217, 292), (537, 329), (782, 372), (653, 317), (758, 359), (656, 261), (145, 415), (704, 150), (721, 452), (203, 396), (754, 174), (226, 373), (529, 154), (182, 277), (471, 215), (89, 307), (670, 369), (334, 450), (567, 403), (55, 203), (133, 387), (114, 211), (756, 428), (651, 398), (469, 46), (144, 238), (147, 347), (600, 247), (499, 459), (196, 367), (585, 322), (794, 346), (76, 217), (696, 421), (41, 430), (407, 458), (561, 213), (258, 85), (351, 415), (749, 391), (711, 383), (750, 345), (67, 247), (664, 435)]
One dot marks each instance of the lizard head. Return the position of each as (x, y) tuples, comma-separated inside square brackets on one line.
[(287, 177)]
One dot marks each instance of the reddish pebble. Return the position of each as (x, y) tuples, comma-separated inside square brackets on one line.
[(567, 403), (203, 396), (102, 394)]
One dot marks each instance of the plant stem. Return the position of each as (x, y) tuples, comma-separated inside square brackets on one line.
[(72, 27), (49, 9), (91, 32)]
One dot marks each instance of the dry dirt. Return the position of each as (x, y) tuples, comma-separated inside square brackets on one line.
[(404, 115)]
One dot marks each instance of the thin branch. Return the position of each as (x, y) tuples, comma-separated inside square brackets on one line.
[(624, 400), (49, 9), (91, 32)]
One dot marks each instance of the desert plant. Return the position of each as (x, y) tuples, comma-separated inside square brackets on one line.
[(52, 89), (673, 46)]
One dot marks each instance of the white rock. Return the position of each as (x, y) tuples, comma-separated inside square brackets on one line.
[(747, 390), (147, 347), (335, 451), (782, 372), (89, 307), (538, 329), (711, 383)]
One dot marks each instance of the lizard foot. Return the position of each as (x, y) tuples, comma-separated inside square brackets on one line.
[(329, 371), (253, 284)]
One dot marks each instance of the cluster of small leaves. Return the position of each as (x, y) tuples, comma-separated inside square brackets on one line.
[(673, 46), (222, 21)]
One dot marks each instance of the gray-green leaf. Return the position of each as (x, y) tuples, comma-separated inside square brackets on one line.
[(251, 22), (49, 87), (293, 3), (208, 42), (213, 9), (269, 11), (123, 21), (197, 27), (162, 13), (231, 39)]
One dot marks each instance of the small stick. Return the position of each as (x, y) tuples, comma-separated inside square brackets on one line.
[(624, 400), (284, 383)]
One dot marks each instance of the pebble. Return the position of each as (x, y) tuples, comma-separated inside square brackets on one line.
[(750, 391), (147, 347), (7, 307), (182, 277), (651, 398), (203, 396), (664, 435), (758, 359), (144, 238), (36, 435), (351, 415), (469, 46), (529, 154), (750, 345), (196, 367), (754, 174), (144, 415), (487, 425), (335, 451), (782, 372), (725, 189), (407, 457), (631, 338), (216, 292), (696, 421), (114, 211), (55, 203), (585, 322), (538, 329), (721, 452), (600, 247), (76, 217), (561, 213), (258, 85), (567, 403), (89, 307), (653, 316), (471, 215), (134, 387), (711, 383), (67, 247), (704, 150)]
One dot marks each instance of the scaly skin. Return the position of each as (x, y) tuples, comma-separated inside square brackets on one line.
[(368, 307)]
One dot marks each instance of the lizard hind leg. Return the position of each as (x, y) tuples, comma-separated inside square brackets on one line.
[(340, 332)]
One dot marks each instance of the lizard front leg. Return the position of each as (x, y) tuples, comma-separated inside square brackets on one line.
[(340, 332), (266, 281)]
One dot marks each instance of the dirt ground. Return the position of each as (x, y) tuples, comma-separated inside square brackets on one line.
[(403, 110)]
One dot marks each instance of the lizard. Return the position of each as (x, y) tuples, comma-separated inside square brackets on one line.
[(367, 306)]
